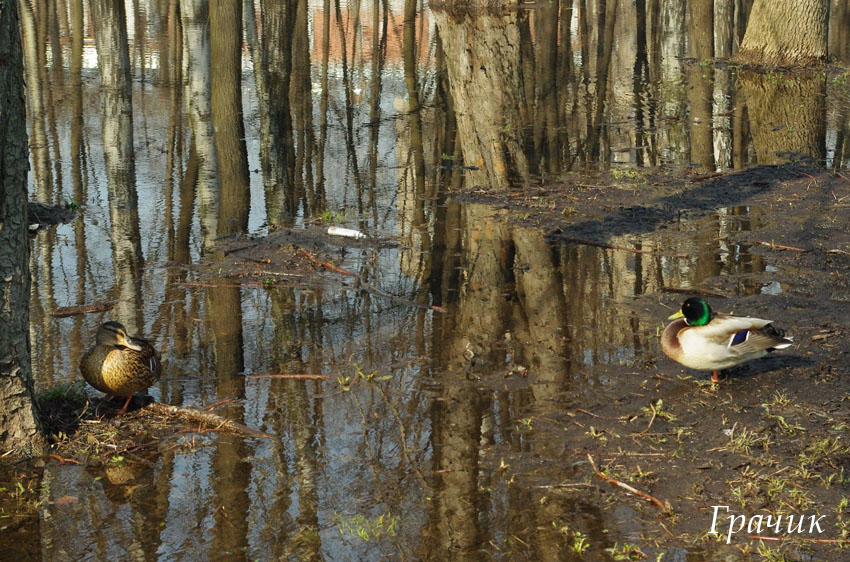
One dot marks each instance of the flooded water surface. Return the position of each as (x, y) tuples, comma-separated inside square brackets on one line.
[(467, 364)]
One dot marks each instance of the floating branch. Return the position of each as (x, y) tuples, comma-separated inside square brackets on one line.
[(694, 291), (65, 311), (773, 246), (214, 420), (289, 376)]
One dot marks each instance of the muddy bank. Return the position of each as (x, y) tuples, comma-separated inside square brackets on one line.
[(771, 439)]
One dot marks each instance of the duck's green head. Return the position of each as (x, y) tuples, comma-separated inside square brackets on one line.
[(695, 311)]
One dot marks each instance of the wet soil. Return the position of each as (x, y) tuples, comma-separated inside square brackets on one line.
[(772, 438)]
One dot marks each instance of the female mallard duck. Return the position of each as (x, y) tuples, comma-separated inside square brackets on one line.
[(120, 365), (704, 341)]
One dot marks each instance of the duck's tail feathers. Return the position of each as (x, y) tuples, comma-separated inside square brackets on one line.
[(781, 341)]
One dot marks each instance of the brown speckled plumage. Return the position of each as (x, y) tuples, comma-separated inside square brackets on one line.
[(119, 365)]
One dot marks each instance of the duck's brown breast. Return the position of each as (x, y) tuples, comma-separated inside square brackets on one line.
[(120, 371), (670, 339)]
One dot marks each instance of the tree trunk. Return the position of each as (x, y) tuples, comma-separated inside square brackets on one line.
[(482, 56), (20, 432), (785, 32), (226, 97)]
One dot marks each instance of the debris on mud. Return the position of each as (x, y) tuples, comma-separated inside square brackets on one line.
[(41, 215)]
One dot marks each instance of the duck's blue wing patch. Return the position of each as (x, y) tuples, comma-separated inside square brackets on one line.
[(740, 337)]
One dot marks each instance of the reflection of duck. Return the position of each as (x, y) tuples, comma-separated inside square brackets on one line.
[(704, 341), (120, 365)]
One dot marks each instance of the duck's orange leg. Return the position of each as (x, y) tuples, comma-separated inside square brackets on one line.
[(715, 377), (123, 410)]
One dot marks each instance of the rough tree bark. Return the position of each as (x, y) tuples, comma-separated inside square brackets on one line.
[(482, 56), (785, 32), (20, 433), (225, 19)]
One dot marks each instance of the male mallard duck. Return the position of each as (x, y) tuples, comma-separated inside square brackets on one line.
[(704, 341), (120, 365)]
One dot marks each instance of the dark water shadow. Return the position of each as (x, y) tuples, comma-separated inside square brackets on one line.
[(729, 190)]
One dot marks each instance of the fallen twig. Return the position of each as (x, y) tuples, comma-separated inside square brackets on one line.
[(336, 269), (378, 292), (583, 411), (696, 179), (201, 284), (796, 539), (624, 486), (65, 311), (239, 249), (824, 335), (63, 460), (694, 291), (773, 246), (209, 418), (289, 376), (244, 285), (652, 419)]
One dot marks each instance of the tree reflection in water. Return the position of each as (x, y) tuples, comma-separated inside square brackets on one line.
[(426, 442)]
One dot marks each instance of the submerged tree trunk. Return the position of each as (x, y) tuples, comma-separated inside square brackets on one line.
[(19, 428), (196, 89), (785, 32), (787, 114), (113, 56)]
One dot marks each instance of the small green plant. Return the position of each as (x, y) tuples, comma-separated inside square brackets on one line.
[(625, 552), (371, 376), (580, 543), (743, 440), (527, 423), (780, 400), (772, 555), (656, 410), (344, 382), (332, 217), (625, 173), (821, 451), (366, 528), (600, 435), (65, 392)]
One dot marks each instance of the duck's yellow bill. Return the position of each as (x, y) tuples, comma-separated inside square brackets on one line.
[(676, 315)]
